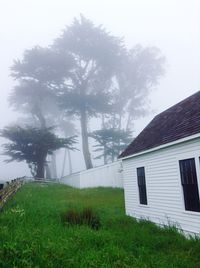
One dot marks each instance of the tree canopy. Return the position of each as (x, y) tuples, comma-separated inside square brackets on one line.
[(33, 145), (110, 142), (96, 55), (87, 73)]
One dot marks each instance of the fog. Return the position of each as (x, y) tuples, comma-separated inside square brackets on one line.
[(172, 26)]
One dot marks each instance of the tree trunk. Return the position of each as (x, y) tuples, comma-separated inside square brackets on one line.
[(85, 143), (42, 121), (53, 165), (38, 113), (63, 165), (103, 121), (69, 161), (128, 122), (104, 146), (40, 170), (48, 172), (113, 157), (119, 128), (104, 155), (120, 121), (66, 153)]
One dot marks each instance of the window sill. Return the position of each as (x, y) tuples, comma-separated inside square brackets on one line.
[(193, 213), (144, 206)]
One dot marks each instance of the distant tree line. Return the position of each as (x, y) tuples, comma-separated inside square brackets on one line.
[(86, 73)]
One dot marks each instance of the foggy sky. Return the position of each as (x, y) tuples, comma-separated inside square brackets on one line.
[(171, 25)]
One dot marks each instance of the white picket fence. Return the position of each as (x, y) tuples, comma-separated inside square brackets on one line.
[(109, 175)]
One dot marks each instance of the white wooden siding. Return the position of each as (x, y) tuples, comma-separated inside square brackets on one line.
[(104, 176), (163, 183), (72, 180)]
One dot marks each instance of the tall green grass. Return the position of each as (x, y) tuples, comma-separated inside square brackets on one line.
[(32, 233)]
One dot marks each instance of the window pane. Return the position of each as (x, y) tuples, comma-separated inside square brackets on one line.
[(189, 184), (142, 185), (140, 172)]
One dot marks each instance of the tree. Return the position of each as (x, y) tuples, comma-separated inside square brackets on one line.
[(138, 74), (89, 74), (96, 54), (39, 73), (107, 79), (33, 145), (110, 142), (68, 128)]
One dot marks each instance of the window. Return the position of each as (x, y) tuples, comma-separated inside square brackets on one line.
[(189, 184), (142, 185)]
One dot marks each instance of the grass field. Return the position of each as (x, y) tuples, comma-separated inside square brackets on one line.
[(33, 235)]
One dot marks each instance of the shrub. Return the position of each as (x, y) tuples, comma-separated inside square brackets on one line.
[(90, 218), (86, 217), (71, 216)]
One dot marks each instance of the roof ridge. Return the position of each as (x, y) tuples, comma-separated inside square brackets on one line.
[(177, 104), (169, 125)]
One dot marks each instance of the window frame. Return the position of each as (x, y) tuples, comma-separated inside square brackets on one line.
[(186, 156), (138, 186)]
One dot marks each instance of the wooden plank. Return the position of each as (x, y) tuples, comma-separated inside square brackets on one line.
[(9, 189)]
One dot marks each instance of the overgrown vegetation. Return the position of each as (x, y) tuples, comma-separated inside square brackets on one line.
[(32, 233)]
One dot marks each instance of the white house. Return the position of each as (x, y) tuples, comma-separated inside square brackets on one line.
[(161, 168)]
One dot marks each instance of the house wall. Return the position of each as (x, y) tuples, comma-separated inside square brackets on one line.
[(163, 183), (103, 176)]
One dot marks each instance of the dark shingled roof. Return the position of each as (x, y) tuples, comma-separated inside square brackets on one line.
[(179, 121)]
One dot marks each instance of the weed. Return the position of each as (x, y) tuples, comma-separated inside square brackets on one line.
[(71, 217), (85, 217)]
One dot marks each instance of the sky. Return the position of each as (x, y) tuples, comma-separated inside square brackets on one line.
[(171, 25)]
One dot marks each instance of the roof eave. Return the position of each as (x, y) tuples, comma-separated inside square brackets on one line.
[(162, 146)]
